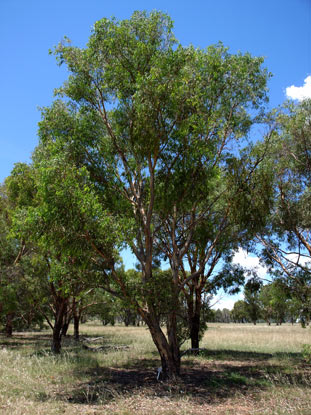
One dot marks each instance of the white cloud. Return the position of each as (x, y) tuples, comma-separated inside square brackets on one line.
[(300, 92), (249, 262), (302, 260)]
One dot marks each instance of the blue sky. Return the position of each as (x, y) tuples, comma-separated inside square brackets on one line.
[(279, 30)]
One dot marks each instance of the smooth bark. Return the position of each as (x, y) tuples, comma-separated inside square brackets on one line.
[(168, 350)]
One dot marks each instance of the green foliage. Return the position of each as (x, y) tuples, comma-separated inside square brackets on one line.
[(239, 312), (273, 299), (19, 264), (251, 295), (285, 238), (141, 149), (306, 352)]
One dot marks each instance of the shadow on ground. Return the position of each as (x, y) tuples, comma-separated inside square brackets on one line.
[(24, 341), (201, 382), (225, 354), (41, 342), (212, 376)]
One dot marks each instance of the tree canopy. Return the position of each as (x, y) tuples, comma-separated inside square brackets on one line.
[(140, 149)]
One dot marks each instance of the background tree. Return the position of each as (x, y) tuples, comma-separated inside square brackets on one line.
[(239, 313), (285, 240), (299, 287), (9, 250), (293, 310), (251, 298), (18, 295), (67, 268), (273, 300)]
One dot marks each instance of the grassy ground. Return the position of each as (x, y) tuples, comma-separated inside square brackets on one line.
[(245, 370)]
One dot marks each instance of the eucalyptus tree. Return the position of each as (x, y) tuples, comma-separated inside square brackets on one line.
[(285, 241), (273, 300), (224, 222), (34, 271), (8, 254), (208, 265), (252, 301), (299, 285), (239, 312), (59, 268), (149, 124), (18, 305)]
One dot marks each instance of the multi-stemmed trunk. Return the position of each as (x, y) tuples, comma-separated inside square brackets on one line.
[(169, 349)]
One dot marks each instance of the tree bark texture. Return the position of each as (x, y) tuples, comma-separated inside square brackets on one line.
[(168, 351)]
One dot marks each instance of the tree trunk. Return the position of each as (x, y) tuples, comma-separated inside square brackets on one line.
[(195, 331), (9, 325), (76, 320), (195, 321), (61, 308), (65, 328), (126, 321), (66, 319), (76, 325), (194, 307), (57, 338), (173, 342), (168, 351)]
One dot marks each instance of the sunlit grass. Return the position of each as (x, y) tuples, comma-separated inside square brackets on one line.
[(245, 369), (258, 338)]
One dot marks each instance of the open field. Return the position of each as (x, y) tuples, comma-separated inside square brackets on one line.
[(245, 370)]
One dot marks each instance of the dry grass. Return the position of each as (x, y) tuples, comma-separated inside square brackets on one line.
[(260, 338), (245, 370)]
